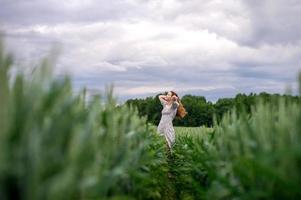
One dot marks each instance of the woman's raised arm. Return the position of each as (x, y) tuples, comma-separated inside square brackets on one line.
[(175, 102), (162, 99)]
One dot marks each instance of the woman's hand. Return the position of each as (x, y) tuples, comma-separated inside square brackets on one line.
[(174, 98)]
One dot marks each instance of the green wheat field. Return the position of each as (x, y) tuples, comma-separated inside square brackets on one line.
[(55, 145)]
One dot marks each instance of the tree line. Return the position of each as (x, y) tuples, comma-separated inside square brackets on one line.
[(201, 111)]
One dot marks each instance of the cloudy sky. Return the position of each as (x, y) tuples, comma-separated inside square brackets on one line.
[(214, 48)]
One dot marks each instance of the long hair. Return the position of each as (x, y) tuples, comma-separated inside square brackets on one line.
[(181, 111)]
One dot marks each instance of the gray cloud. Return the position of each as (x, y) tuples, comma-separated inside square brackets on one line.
[(212, 48), (52, 12), (274, 21)]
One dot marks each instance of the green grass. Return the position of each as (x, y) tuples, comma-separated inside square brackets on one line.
[(256, 156), (54, 145), (192, 131)]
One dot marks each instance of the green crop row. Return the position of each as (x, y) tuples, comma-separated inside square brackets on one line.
[(246, 156)]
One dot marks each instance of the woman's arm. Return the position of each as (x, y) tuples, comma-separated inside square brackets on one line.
[(175, 103), (162, 99), (162, 95)]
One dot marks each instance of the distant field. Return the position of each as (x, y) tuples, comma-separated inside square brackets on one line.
[(191, 131)]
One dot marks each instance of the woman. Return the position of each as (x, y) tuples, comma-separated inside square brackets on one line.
[(172, 107)]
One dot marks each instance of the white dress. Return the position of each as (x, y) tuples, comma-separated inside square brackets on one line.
[(165, 127)]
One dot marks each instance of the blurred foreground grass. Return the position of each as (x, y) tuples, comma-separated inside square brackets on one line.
[(55, 146)]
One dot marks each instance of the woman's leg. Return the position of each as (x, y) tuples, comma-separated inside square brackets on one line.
[(170, 136), (168, 149)]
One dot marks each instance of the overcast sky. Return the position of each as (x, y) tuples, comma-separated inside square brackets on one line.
[(214, 48)]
